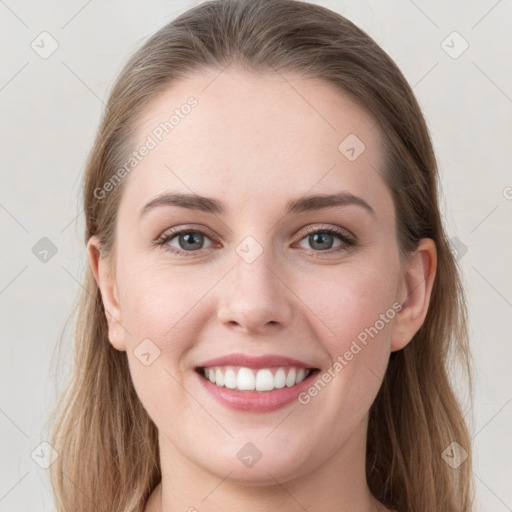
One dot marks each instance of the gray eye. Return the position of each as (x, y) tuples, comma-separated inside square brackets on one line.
[(188, 240), (321, 240)]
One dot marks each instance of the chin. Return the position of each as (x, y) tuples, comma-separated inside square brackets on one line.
[(250, 466)]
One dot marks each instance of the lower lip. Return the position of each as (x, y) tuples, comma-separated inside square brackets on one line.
[(256, 401)]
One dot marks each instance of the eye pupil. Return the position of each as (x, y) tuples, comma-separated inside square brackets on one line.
[(319, 238), (192, 241), (191, 238)]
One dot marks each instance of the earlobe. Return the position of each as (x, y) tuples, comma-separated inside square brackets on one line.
[(418, 281), (106, 282)]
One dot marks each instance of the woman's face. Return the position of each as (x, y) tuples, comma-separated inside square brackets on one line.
[(254, 278)]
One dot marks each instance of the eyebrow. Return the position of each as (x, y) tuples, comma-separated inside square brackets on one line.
[(298, 205)]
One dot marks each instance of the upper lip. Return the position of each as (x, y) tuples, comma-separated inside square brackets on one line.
[(264, 361)]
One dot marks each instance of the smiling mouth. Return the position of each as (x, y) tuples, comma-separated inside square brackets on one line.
[(241, 378)]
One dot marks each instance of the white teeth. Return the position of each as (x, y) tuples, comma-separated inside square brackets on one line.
[(219, 377), (264, 380), (280, 379), (290, 378), (301, 375), (247, 379), (230, 379)]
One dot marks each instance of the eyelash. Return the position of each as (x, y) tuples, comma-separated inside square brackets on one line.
[(348, 241)]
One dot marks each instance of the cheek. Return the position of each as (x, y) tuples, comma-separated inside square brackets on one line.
[(162, 311), (156, 312), (156, 301), (350, 303), (355, 306)]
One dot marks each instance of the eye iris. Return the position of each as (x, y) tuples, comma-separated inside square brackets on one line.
[(191, 238), (319, 238)]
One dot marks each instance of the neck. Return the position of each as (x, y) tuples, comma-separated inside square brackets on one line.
[(339, 485)]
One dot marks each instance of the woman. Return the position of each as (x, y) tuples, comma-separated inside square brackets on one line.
[(225, 358)]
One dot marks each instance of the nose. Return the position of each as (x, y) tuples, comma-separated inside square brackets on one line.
[(255, 297)]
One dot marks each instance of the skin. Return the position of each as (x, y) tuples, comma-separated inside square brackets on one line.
[(254, 142)]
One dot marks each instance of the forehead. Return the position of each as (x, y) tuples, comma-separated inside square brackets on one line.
[(256, 139)]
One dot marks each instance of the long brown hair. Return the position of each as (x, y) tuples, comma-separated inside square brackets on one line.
[(107, 444)]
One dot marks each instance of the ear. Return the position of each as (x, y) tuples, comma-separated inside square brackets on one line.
[(105, 279), (415, 290)]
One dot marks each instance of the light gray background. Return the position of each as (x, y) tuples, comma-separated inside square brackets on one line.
[(50, 109)]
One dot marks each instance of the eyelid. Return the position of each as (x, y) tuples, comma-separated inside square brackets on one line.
[(347, 238), (181, 228), (306, 231), (173, 232), (329, 228)]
